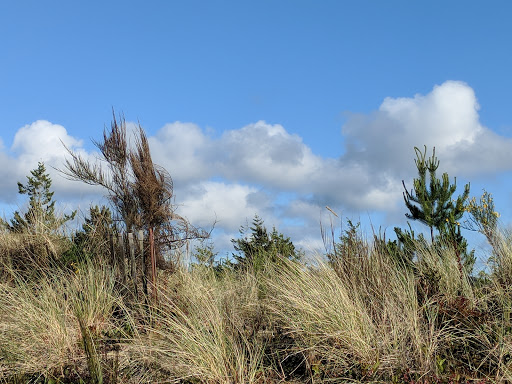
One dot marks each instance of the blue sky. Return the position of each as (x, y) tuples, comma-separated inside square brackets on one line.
[(270, 107)]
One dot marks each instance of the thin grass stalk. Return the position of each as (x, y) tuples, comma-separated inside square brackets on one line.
[(93, 359), (372, 326), (202, 333), (154, 289)]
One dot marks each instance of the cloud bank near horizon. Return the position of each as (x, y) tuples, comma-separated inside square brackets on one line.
[(263, 169)]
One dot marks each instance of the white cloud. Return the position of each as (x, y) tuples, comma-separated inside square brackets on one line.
[(228, 204), (379, 151), (446, 118), (182, 149), (256, 153), (42, 140), (266, 153), (263, 169)]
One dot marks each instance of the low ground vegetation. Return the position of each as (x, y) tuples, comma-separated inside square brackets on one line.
[(77, 308), (360, 318)]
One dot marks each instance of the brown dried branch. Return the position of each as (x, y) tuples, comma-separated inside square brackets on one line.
[(140, 191), (152, 186)]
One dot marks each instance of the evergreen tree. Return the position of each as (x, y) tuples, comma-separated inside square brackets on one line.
[(40, 216), (431, 203), (260, 246), (92, 239), (350, 244), (205, 254), (207, 260), (99, 224), (403, 249), (484, 219)]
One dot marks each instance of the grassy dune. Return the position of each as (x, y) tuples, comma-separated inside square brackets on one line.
[(364, 319)]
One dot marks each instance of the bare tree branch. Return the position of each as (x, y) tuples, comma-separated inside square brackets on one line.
[(140, 191)]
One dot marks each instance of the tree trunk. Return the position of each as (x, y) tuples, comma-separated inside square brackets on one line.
[(153, 263)]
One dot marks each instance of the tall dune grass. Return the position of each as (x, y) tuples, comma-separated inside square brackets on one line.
[(204, 329), (46, 321), (348, 330), (37, 332), (361, 318)]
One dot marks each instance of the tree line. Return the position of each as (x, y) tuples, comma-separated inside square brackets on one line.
[(141, 197)]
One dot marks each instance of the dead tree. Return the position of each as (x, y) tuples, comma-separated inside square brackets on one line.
[(140, 191)]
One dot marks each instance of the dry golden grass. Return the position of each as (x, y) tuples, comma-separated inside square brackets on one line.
[(203, 328), (29, 252), (343, 328), (365, 320), (39, 319)]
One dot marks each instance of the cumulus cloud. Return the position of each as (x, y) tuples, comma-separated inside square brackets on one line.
[(32, 143), (183, 149), (263, 169), (446, 118), (42, 140), (267, 153), (378, 154), (229, 205), (256, 153)]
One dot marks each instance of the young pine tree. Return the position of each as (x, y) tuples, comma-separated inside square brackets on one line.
[(431, 202), (92, 239), (260, 246), (40, 216)]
